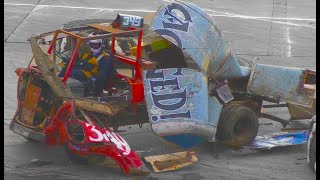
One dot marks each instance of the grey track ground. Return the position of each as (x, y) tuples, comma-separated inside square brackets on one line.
[(285, 34)]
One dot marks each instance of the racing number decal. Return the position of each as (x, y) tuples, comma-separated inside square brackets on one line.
[(119, 142), (98, 133), (108, 136), (131, 21)]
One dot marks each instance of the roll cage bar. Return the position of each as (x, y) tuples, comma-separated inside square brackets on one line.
[(112, 32)]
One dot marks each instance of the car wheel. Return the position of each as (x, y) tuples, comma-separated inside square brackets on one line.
[(238, 125)]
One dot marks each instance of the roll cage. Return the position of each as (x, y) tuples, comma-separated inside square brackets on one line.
[(106, 32)]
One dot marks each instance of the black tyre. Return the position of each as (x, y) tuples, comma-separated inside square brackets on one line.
[(312, 140), (238, 125)]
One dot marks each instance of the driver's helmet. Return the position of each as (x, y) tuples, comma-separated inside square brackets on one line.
[(95, 44)]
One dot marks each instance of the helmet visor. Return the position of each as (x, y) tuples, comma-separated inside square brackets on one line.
[(95, 45)]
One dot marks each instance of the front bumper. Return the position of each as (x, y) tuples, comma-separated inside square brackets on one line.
[(27, 133)]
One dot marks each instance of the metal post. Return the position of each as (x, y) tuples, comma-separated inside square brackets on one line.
[(113, 44), (72, 60), (53, 42), (138, 59)]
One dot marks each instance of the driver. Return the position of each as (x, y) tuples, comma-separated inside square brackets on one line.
[(95, 67)]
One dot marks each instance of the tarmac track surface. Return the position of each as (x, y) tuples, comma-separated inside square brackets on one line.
[(279, 32)]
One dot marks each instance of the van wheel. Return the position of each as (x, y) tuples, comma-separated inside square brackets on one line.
[(238, 125)]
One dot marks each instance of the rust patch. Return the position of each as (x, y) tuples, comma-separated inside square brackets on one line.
[(173, 161), (170, 163), (30, 104)]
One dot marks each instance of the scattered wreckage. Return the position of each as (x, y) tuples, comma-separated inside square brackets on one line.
[(176, 73)]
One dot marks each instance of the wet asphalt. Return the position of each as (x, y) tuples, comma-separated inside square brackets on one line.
[(278, 32)]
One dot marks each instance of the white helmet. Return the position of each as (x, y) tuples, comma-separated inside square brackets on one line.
[(95, 44)]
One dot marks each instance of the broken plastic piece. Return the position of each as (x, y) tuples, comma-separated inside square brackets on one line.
[(172, 161), (279, 139)]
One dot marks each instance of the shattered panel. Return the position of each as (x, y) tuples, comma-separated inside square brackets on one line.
[(170, 162), (49, 69), (195, 32), (30, 103), (177, 102), (283, 83)]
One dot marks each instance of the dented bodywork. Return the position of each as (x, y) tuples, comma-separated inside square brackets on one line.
[(185, 105), (60, 123), (283, 83), (180, 76), (178, 108)]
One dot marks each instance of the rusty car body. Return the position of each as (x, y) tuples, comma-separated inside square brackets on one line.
[(181, 77)]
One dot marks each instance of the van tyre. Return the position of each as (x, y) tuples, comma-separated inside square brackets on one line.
[(238, 125)]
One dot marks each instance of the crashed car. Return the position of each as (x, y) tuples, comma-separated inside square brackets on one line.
[(179, 75)]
